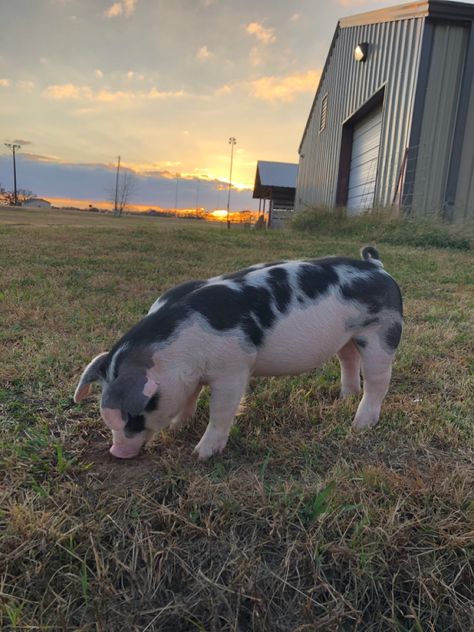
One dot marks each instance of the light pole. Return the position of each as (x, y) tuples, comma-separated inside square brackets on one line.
[(232, 142), (14, 147), (176, 197), (197, 195)]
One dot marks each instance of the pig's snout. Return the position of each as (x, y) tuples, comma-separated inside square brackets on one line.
[(127, 447), (124, 452)]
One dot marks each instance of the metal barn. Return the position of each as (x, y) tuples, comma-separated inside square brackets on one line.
[(392, 122)]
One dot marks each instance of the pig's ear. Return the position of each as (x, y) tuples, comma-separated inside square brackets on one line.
[(92, 372), (150, 388)]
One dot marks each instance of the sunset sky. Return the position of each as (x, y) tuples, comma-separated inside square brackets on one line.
[(163, 83)]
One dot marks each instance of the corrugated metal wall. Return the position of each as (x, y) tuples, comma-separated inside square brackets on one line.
[(439, 118), (464, 202), (393, 63)]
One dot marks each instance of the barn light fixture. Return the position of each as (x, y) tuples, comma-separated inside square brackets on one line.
[(360, 51)]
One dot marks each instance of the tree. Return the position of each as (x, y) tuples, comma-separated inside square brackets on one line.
[(7, 198), (127, 187)]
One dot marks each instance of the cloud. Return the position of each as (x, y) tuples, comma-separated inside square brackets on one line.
[(284, 88), (98, 73), (5, 83), (25, 86), (115, 10), (67, 91), (255, 56), (71, 92), (264, 35), (19, 141), (123, 7), (204, 54), (295, 17)]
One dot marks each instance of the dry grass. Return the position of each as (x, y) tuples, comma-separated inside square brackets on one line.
[(301, 525)]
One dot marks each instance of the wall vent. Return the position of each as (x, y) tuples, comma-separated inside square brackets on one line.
[(324, 113)]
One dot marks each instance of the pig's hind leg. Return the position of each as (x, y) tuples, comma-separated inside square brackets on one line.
[(226, 394), (376, 371), (349, 359)]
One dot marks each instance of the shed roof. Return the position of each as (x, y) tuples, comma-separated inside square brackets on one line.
[(277, 174)]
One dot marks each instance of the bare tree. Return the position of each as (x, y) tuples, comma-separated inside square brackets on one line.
[(7, 198), (126, 188)]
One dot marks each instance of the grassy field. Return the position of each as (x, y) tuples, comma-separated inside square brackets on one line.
[(301, 525)]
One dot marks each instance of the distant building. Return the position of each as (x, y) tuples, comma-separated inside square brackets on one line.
[(37, 203), (275, 183), (392, 122)]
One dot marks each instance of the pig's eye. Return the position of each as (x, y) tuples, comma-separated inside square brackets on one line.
[(134, 425)]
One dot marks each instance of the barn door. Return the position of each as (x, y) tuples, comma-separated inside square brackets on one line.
[(364, 160)]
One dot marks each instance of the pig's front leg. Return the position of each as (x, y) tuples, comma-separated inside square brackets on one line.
[(226, 393)]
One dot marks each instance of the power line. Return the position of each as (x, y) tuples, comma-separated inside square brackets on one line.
[(14, 147), (232, 142)]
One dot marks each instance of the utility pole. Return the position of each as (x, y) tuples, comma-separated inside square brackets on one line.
[(14, 147), (232, 142), (116, 187), (176, 197), (198, 182)]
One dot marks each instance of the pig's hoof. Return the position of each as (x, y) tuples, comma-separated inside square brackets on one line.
[(362, 423), (205, 451)]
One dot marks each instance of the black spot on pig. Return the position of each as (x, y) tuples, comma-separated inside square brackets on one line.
[(258, 301), (134, 425), (157, 326), (153, 403), (226, 308), (253, 332), (221, 305), (279, 284), (376, 291), (393, 335), (315, 279)]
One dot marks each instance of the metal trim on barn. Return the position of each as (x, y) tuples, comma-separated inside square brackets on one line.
[(275, 182)]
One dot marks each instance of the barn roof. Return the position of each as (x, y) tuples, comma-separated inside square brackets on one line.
[(277, 174), (435, 9), (275, 180)]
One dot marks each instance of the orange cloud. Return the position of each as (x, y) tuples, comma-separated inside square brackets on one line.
[(124, 7), (69, 91), (285, 88), (203, 54), (264, 35), (4, 83)]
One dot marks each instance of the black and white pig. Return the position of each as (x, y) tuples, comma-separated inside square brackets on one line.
[(281, 318)]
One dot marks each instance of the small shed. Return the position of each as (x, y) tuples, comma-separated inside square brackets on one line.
[(275, 182), (36, 203)]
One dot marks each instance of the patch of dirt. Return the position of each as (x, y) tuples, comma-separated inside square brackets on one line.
[(112, 472)]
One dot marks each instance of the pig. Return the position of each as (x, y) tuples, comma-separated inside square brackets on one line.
[(270, 319)]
